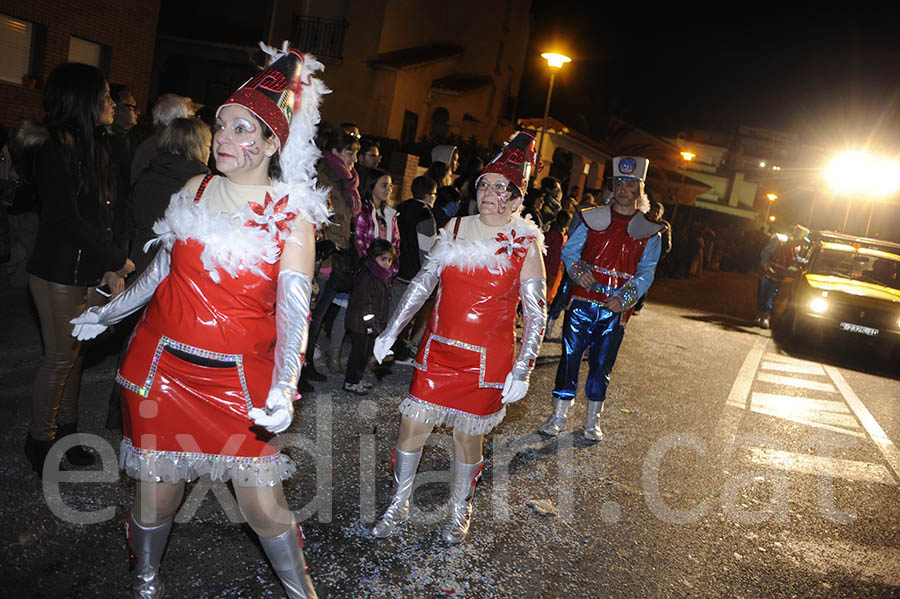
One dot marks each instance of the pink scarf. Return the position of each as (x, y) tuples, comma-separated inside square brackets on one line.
[(349, 180)]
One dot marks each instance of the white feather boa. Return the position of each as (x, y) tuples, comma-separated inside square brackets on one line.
[(227, 243), (471, 254)]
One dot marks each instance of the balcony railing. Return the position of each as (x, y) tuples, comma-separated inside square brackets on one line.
[(324, 38)]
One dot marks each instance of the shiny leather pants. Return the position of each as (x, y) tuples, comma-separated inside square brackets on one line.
[(592, 327), (56, 386)]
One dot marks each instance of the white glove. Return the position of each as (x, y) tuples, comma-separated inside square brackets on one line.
[(87, 324), (513, 389), (279, 411), (383, 347)]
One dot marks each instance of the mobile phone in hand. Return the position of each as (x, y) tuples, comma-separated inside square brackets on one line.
[(104, 290)]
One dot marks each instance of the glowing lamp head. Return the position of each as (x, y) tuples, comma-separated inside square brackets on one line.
[(772, 219), (556, 61), (772, 197), (688, 156)]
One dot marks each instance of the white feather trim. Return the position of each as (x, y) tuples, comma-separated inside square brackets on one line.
[(227, 244), (300, 153), (471, 254)]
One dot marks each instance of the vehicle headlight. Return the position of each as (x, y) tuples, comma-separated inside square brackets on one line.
[(818, 305)]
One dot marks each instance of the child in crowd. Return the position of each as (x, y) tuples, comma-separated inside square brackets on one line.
[(367, 312)]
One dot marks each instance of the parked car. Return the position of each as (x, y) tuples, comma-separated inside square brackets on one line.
[(847, 287)]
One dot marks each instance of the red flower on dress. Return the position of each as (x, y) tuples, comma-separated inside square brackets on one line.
[(511, 245), (271, 213)]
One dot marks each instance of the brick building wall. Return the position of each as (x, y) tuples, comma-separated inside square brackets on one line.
[(126, 27)]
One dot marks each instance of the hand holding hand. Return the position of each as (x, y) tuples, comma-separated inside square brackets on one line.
[(382, 348), (87, 325), (279, 412), (513, 390)]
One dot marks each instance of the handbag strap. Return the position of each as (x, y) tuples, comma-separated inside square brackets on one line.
[(456, 227)]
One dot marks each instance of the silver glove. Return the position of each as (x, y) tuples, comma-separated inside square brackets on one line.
[(94, 320), (533, 294), (418, 291), (291, 328)]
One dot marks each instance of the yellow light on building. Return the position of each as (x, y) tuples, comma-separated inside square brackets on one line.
[(772, 197), (772, 219), (688, 156)]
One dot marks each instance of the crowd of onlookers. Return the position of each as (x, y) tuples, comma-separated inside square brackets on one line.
[(376, 240)]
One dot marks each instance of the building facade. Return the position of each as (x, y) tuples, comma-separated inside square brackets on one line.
[(407, 70), (37, 35)]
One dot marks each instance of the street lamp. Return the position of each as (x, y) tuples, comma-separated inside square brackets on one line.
[(771, 197), (844, 176), (685, 157), (555, 62)]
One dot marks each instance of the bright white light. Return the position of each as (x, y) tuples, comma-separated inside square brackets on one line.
[(818, 305), (556, 61), (857, 172), (776, 167), (762, 164)]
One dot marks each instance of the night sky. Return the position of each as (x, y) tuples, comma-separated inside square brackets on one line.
[(830, 75)]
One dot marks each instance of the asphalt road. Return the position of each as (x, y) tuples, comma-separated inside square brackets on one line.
[(735, 464)]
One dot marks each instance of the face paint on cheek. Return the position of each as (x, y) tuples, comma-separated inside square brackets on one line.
[(502, 201), (249, 151)]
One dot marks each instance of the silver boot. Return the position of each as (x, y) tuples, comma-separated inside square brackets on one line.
[(592, 430), (286, 556), (147, 547), (405, 465), (459, 512), (556, 422)]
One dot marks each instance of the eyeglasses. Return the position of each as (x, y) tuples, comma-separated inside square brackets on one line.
[(498, 188)]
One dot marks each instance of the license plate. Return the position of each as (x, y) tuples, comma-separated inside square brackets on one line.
[(856, 328)]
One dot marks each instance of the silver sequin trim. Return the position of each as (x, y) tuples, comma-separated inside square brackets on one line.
[(462, 345), (164, 342)]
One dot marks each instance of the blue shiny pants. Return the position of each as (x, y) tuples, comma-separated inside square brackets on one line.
[(588, 326), (765, 299)]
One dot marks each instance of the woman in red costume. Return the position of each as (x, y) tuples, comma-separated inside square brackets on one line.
[(211, 370), (466, 368)]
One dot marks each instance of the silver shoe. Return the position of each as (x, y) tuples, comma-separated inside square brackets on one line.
[(147, 547), (556, 422), (592, 430), (405, 465), (459, 511), (286, 555)]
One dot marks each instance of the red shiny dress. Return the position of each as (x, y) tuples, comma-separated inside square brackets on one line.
[(200, 358), (469, 343)]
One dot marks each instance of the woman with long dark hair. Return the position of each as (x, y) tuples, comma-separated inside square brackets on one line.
[(373, 221), (80, 245)]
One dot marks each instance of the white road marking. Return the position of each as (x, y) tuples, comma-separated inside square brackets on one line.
[(886, 446), (814, 369), (822, 466), (814, 412), (739, 394), (795, 382), (787, 359), (793, 403)]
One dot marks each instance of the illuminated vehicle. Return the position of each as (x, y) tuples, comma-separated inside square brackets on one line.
[(850, 287)]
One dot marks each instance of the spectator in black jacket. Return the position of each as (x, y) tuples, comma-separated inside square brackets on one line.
[(367, 311), (78, 246)]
